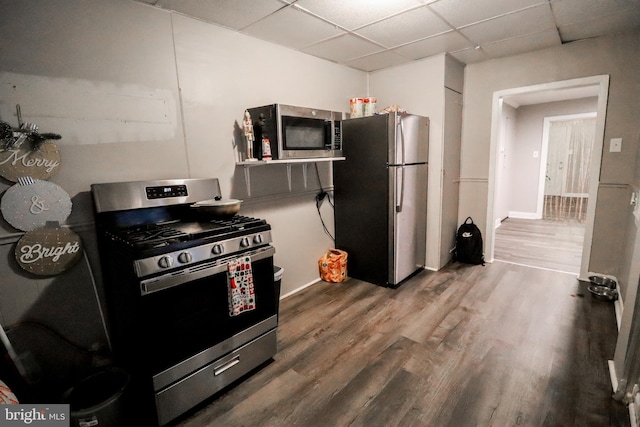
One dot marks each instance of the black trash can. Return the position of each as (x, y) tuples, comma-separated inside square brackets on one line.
[(277, 279), (99, 400)]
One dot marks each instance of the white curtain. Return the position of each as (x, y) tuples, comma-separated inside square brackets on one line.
[(568, 160)]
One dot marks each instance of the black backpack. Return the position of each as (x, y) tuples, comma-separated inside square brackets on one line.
[(469, 243)]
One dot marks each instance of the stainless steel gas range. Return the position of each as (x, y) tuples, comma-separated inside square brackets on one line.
[(170, 297)]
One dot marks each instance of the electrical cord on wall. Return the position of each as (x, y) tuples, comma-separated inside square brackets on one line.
[(319, 200)]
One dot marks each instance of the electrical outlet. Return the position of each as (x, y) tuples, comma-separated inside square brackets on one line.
[(615, 145)]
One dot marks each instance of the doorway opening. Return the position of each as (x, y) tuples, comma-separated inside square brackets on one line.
[(504, 121)]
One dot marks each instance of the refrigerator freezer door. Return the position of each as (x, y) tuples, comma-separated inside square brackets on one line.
[(407, 230), (361, 187), (408, 139)]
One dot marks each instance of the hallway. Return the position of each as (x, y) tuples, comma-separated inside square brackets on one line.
[(543, 243)]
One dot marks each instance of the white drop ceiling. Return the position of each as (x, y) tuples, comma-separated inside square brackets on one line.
[(371, 35)]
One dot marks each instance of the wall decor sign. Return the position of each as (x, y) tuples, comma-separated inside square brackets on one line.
[(31, 203), (41, 163), (26, 152), (49, 250)]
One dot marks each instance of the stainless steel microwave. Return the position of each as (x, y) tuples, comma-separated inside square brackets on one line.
[(298, 132)]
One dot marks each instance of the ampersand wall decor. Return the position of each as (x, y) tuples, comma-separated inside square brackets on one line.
[(31, 203)]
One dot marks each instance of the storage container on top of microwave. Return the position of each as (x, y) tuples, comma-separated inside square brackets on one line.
[(298, 132)]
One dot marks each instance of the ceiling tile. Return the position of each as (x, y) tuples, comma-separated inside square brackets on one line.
[(600, 26), (235, 14), (447, 42), (572, 11), (357, 32), (377, 61), (406, 27), (342, 48), (465, 12), (522, 44), (471, 55), (352, 14), (528, 21), (292, 27)]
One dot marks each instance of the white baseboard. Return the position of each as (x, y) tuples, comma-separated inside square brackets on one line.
[(614, 384), (295, 291), (524, 215)]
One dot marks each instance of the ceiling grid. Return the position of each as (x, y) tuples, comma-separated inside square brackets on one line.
[(375, 34)]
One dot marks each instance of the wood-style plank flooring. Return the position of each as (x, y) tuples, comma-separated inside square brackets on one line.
[(544, 243), (494, 345)]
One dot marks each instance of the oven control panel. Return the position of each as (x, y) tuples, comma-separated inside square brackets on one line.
[(164, 191), (187, 257)]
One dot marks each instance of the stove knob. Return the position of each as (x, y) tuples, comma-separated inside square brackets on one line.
[(185, 257), (217, 249), (245, 242), (165, 262), (257, 239)]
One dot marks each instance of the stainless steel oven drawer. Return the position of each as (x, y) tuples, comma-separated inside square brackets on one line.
[(193, 389)]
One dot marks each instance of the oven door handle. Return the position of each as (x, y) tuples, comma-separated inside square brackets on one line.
[(170, 280)]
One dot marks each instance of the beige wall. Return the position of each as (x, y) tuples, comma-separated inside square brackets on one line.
[(617, 56), (524, 168), (419, 88)]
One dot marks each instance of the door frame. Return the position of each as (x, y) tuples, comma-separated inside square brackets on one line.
[(602, 84)]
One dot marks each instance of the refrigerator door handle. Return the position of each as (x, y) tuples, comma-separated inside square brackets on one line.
[(400, 126), (400, 168), (399, 191)]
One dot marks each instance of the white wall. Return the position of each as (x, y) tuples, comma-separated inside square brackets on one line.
[(93, 62), (505, 165), (221, 73)]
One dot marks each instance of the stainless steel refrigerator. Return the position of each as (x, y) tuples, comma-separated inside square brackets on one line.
[(380, 194)]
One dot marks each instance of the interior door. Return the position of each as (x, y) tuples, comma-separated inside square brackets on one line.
[(450, 174), (557, 159)]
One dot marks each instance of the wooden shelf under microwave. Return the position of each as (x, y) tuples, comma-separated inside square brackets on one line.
[(247, 165)]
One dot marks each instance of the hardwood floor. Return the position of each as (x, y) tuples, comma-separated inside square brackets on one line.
[(544, 243), (500, 344)]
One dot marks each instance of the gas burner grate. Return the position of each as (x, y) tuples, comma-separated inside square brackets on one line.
[(148, 236), (239, 222)]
